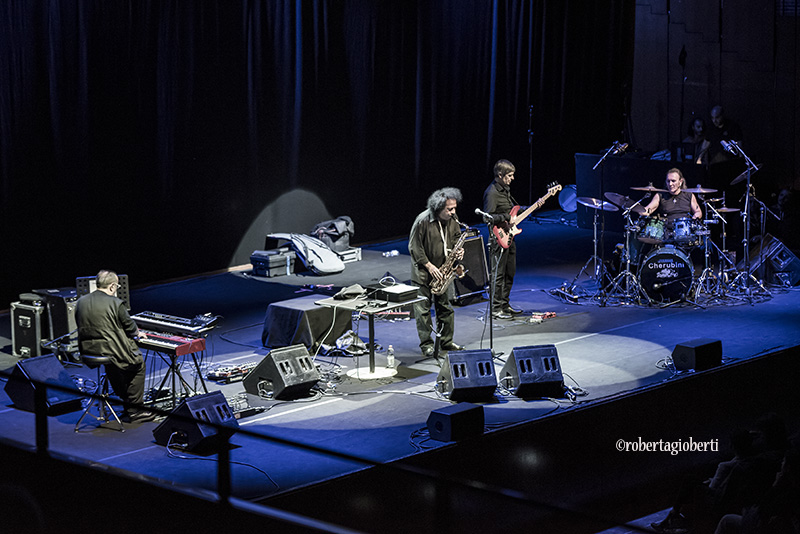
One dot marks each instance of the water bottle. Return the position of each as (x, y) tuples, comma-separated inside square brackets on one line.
[(390, 253), (390, 357)]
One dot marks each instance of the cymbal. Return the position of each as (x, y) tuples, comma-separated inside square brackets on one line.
[(624, 202), (596, 204), (742, 176), (728, 210), (650, 189), (700, 190)]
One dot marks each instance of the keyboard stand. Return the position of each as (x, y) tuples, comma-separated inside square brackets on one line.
[(173, 374)]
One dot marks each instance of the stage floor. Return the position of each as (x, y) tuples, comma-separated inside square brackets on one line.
[(606, 349)]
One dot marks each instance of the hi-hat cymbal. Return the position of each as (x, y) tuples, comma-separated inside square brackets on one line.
[(650, 189), (700, 190), (742, 176), (596, 204), (624, 202), (728, 210)]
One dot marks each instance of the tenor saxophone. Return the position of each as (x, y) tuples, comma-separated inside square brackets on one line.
[(450, 269)]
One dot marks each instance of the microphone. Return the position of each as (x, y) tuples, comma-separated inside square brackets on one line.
[(730, 146), (619, 149), (665, 284), (486, 217)]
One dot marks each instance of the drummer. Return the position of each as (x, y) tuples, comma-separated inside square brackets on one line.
[(675, 203)]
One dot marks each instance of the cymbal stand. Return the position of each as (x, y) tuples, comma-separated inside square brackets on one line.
[(626, 285), (708, 282), (599, 268)]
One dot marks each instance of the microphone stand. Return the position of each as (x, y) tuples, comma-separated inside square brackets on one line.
[(733, 147), (530, 155), (493, 284), (764, 211), (615, 148)]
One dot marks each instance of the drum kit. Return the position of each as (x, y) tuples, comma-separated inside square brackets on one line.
[(658, 269)]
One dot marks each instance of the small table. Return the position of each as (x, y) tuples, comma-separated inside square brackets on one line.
[(371, 308)]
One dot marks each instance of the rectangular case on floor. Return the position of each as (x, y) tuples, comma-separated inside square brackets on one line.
[(26, 329)]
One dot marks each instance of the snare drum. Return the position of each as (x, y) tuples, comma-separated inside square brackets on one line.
[(654, 231), (666, 274)]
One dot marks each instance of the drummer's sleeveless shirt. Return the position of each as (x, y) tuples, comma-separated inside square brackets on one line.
[(676, 206)]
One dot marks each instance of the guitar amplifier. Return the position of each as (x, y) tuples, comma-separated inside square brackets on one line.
[(471, 286), (26, 329), (61, 304)]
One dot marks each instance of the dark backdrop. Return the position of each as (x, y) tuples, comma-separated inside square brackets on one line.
[(146, 136)]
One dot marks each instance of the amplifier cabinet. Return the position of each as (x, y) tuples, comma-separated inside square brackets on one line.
[(471, 286), (60, 316), (26, 329)]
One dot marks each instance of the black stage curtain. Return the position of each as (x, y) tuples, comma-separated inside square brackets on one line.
[(146, 135)]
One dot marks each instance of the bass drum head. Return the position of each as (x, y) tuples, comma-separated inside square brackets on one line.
[(666, 274)]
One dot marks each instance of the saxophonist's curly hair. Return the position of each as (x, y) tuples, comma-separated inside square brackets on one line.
[(438, 198)]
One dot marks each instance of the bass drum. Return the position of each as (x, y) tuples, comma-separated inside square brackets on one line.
[(666, 274)]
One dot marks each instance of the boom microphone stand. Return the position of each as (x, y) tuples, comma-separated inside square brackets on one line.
[(744, 277), (615, 148), (489, 220)]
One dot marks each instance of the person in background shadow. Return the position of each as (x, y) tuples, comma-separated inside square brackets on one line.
[(700, 504), (722, 129), (778, 511), (696, 134)]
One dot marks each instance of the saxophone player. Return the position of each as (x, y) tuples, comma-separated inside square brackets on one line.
[(433, 236)]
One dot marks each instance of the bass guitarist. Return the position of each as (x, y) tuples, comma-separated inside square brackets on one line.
[(498, 202)]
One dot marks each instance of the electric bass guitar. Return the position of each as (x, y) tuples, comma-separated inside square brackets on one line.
[(506, 231)]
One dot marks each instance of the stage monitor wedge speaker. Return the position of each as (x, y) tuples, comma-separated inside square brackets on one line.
[(21, 388), (471, 286), (190, 429), (698, 354), (533, 371), (456, 422), (468, 375), (772, 262), (289, 372)]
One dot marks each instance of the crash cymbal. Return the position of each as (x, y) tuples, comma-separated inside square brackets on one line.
[(728, 210), (624, 202), (596, 204), (650, 189), (742, 176), (700, 190)]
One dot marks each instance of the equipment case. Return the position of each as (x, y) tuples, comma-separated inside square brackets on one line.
[(26, 329), (276, 262)]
